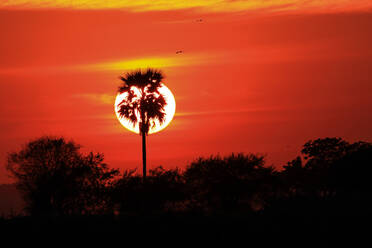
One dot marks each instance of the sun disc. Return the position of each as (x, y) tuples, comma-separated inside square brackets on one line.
[(170, 109)]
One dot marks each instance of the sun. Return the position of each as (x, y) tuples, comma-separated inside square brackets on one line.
[(170, 110)]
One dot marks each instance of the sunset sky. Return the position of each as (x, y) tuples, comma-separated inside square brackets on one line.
[(255, 76)]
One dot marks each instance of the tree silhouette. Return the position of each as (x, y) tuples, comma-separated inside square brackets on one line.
[(332, 177), (55, 178), (144, 104), (238, 182), (329, 183)]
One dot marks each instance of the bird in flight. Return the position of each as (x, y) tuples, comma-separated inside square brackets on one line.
[(179, 51), (199, 20)]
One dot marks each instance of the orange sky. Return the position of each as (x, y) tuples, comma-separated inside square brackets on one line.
[(255, 76)]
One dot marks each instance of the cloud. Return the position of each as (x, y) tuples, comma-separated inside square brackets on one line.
[(227, 111), (257, 54), (200, 5), (97, 98), (146, 62), (178, 60)]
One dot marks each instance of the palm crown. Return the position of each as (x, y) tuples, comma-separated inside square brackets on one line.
[(144, 103)]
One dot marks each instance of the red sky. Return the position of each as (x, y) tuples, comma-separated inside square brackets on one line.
[(255, 76)]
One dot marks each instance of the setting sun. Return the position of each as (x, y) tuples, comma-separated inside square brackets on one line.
[(169, 109)]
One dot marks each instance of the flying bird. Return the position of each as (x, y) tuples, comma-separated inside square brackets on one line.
[(199, 20), (179, 51)]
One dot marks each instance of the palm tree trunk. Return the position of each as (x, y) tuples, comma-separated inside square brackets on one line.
[(144, 154)]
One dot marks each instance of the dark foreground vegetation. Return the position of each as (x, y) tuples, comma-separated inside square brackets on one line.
[(328, 188)]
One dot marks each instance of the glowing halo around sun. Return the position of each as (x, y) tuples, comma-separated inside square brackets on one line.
[(170, 110)]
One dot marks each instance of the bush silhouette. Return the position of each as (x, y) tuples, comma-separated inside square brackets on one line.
[(159, 193)]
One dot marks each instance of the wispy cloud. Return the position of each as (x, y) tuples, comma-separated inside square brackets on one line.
[(160, 61), (260, 54), (153, 61), (96, 98), (201, 5), (227, 111), (253, 55)]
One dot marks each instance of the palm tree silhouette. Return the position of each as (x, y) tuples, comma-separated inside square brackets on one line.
[(144, 104)]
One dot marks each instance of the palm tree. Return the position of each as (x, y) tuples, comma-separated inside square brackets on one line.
[(144, 104)]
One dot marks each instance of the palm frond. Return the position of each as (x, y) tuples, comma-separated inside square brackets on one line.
[(150, 78), (149, 105), (128, 111)]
